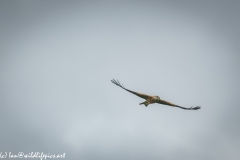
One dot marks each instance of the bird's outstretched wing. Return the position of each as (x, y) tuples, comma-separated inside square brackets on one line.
[(144, 96), (174, 105), (191, 108)]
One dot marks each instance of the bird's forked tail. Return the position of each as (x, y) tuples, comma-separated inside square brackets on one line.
[(145, 103)]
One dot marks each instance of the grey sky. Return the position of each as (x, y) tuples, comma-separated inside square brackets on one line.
[(57, 59)]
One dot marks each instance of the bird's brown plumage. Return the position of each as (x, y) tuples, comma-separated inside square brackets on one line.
[(152, 99)]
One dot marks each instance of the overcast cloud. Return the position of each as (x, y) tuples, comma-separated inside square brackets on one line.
[(57, 59)]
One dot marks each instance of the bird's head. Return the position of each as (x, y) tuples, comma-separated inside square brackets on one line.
[(157, 97)]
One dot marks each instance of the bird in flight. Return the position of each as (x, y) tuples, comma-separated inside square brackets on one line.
[(153, 99)]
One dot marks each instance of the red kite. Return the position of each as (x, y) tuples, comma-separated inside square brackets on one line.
[(153, 99)]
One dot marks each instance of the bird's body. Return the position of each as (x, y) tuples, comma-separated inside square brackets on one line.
[(156, 99), (152, 99)]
